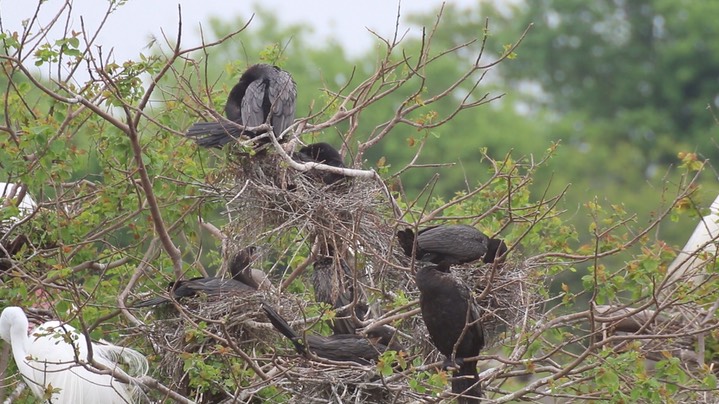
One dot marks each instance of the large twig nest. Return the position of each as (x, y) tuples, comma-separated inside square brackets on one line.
[(309, 382), (196, 325), (506, 293), (274, 197)]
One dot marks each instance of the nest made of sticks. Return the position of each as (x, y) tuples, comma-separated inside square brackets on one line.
[(676, 331), (309, 382), (266, 197), (233, 319), (510, 299)]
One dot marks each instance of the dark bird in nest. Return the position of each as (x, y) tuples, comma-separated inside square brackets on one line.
[(453, 322), (321, 153), (451, 244), (264, 94), (241, 282), (332, 281), (239, 263), (342, 348)]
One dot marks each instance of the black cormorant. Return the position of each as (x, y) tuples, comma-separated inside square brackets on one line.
[(453, 322), (263, 91), (242, 281), (344, 347), (322, 153), (332, 280), (200, 285), (240, 268), (451, 244)]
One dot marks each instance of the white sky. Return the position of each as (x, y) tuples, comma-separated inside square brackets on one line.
[(128, 30)]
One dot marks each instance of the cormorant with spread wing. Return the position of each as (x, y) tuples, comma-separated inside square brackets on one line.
[(338, 347), (451, 244), (263, 92), (453, 322)]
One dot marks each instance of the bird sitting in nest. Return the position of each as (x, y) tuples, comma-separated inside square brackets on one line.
[(322, 153), (264, 94), (339, 347), (332, 281), (243, 281), (451, 244)]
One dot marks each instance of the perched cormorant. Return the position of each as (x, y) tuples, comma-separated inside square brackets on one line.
[(192, 287), (321, 153), (339, 347), (242, 281), (451, 244), (450, 313), (332, 281), (263, 92), (240, 269)]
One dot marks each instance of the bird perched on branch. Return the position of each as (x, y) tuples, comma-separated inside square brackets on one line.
[(54, 362), (338, 347), (451, 244), (453, 322), (242, 281), (264, 94), (321, 153)]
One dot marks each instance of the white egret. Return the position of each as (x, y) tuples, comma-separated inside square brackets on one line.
[(53, 362), (26, 205), (700, 248)]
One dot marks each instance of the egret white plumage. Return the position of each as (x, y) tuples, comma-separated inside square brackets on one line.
[(53, 361), (700, 248), (26, 205)]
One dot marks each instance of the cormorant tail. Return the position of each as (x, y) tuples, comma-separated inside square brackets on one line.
[(213, 134), (284, 328), (465, 382), (151, 302)]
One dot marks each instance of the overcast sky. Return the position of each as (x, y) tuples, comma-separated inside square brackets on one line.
[(130, 28)]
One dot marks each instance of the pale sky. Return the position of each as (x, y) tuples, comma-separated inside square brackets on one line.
[(128, 30)]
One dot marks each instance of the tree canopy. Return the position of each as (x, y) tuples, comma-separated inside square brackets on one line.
[(579, 133)]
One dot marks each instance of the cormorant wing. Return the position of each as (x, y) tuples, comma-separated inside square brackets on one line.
[(283, 93), (273, 93)]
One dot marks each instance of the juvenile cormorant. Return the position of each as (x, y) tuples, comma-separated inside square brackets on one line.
[(322, 153), (333, 284), (451, 244), (450, 313), (192, 287), (240, 269), (263, 91), (339, 347), (242, 281)]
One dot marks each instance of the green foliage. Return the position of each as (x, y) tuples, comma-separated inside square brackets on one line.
[(609, 129)]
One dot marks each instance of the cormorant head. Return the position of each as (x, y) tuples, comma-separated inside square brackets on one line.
[(384, 335), (323, 153), (496, 249)]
